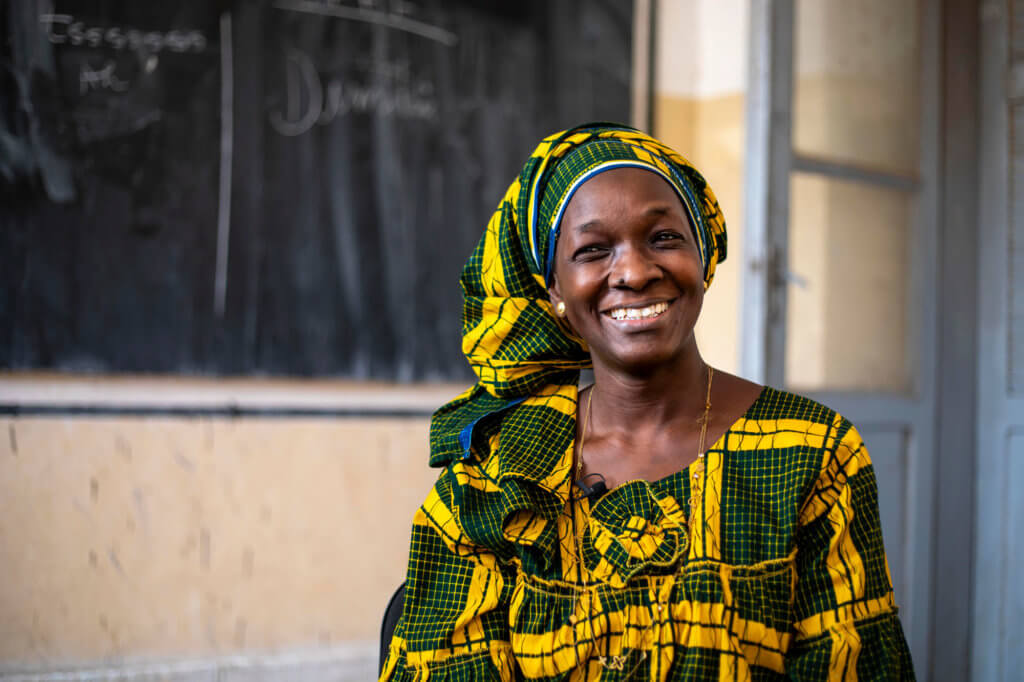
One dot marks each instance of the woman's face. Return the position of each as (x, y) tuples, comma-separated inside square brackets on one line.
[(628, 270)]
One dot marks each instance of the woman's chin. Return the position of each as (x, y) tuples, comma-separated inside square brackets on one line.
[(642, 360)]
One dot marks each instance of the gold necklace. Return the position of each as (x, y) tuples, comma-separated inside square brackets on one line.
[(618, 661), (578, 537), (702, 420), (583, 435), (698, 468)]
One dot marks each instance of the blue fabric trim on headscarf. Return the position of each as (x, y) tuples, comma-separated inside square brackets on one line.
[(535, 201), (697, 223), (466, 435)]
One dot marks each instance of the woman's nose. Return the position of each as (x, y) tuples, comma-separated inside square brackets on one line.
[(633, 269)]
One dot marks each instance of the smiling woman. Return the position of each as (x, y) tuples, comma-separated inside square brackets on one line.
[(670, 522)]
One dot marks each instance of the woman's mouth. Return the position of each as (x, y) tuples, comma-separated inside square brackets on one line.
[(639, 313)]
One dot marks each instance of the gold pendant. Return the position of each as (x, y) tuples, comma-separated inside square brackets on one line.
[(617, 662), (695, 497)]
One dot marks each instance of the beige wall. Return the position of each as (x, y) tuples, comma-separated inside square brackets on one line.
[(709, 133), (170, 537)]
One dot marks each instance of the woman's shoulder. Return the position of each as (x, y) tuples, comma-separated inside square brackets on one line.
[(779, 410), (770, 407), (777, 404), (794, 446), (788, 427)]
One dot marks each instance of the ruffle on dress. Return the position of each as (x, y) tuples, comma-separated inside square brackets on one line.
[(508, 494)]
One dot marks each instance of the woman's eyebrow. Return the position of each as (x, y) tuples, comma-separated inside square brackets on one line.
[(658, 210), (655, 211), (589, 226)]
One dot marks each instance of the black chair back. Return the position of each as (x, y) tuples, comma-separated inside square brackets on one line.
[(387, 627)]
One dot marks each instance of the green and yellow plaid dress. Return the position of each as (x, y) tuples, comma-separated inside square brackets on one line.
[(778, 573)]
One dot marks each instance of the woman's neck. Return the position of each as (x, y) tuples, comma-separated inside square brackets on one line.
[(631, 403)]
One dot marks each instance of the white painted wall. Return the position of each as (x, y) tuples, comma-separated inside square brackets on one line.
[(701, 48)]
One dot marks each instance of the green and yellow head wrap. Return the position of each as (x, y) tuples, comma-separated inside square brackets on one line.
[(513, 341)]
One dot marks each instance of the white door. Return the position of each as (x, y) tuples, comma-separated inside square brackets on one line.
[(840, 243)]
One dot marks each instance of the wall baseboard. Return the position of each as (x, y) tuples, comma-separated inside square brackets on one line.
[(356, 662), (43, 394)]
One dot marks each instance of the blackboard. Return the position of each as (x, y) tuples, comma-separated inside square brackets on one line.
[(286, 187)]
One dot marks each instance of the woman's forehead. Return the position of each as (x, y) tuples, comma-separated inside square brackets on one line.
[(620, 190)]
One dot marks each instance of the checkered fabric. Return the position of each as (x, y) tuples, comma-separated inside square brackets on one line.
[(780, 572)]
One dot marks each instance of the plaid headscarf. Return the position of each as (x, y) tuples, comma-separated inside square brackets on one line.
[(525, 357)]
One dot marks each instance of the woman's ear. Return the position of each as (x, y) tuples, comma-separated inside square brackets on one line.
[(558, 308), (555, 296)]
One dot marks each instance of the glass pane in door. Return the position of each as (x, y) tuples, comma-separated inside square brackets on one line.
[(847, 317), (856, 82)]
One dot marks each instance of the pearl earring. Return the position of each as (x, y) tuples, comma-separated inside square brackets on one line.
[(560, 308)]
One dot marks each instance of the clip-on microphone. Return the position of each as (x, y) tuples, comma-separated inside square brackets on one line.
[(593, 492)]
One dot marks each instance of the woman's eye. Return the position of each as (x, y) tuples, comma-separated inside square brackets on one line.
[(668, 237), (588, 252)]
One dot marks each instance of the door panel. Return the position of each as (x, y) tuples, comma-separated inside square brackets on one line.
[(1013, 558), (856, 85), (847, 309)]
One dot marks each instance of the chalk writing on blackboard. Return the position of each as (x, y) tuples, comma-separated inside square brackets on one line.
[(311, 100), (66, 29), (104, 72), (103, 78), (396, 14)]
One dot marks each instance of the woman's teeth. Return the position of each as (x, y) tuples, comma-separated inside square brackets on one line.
[(639, 313)]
